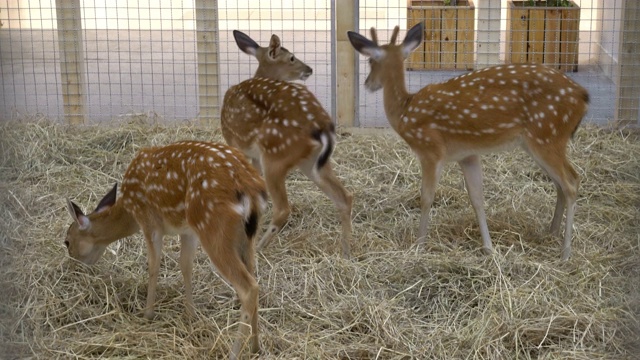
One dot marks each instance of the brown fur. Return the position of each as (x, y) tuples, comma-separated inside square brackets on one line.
[(201, 191)]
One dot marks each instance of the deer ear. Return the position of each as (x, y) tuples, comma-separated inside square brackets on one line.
[(77, 215), (274, 46), (413, 38), (108, 200), (245, 43), (365, 46)]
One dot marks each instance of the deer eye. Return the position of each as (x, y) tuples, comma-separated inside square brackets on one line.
[(66, 243), (292, 59)]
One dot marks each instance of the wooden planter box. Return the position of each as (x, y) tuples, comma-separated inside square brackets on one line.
[(449, 35), (539, 34)]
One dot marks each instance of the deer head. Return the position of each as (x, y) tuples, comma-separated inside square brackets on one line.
[(275, 62)]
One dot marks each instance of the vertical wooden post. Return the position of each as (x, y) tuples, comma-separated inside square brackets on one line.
[(346, 63), (208, 73), (488, 44), (628, 74), (72, 67)]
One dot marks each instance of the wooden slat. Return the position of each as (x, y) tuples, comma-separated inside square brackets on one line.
[(465, 37), (535, 49), (448, 38), (432, 38), (569, 40), (519, 37), (416, 58), (552, 38)]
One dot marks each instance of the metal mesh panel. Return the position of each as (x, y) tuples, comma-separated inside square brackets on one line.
[(142, 58), (156, 59), (304, 28), (587, 49)]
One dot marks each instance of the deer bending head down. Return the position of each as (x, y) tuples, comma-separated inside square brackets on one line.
[(483, 111), (281, 126), (204, 192)]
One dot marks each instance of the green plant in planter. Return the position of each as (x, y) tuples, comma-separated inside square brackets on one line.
[(550, 3)]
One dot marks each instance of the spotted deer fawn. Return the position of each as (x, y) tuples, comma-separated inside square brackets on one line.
[(201, 191), (480, 112), (281, 125)]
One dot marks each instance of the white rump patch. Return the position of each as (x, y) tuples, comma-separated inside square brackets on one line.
[(243, 208)]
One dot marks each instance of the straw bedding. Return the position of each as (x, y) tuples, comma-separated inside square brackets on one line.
[(391, 301)]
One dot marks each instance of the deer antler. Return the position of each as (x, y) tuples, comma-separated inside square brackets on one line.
[(394, 35), (374, 36)]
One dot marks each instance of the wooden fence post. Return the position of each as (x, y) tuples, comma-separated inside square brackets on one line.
[(208, 73), (346, 63), (628, 74), (72, 66)]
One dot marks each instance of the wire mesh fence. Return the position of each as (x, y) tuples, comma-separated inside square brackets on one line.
[(584, 40), (171, 61)]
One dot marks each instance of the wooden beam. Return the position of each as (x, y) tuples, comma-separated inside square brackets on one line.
[(346, 63), (208, 64), (628, 75), (72, 66)]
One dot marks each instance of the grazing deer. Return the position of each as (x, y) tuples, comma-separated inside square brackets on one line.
[(201, 191), (484, 111), (281, 125)]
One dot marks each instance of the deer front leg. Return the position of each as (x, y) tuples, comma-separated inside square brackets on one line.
[(154, 252), (188, 244), (472, 171), (431, 171)]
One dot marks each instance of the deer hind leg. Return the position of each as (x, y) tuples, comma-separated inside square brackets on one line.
[(472, 171), (431, 171), (188, 244), (154, 253), (226, 244), (553, 161), (554, 229), (275, 176), (327, 181)]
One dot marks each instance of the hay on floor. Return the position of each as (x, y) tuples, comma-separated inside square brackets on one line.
[(392, 301)]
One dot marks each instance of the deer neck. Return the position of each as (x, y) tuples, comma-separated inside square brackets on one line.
[(113, 224), (263, 72), (395, 97)]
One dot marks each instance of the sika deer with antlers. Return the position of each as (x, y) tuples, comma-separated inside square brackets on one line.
[(480, 112), (201, 191), (281, 125)]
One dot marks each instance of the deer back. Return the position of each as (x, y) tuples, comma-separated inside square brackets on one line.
[(183, 182), (275, 115), (491, 106)]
